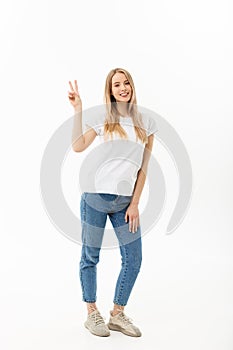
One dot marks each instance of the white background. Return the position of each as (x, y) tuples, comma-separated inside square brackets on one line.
[(180, 56)]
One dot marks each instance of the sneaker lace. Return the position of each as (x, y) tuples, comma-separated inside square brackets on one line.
[(127, 321), (98, 319)]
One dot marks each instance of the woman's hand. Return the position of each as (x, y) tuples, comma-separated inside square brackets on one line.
[(133, 214), (74, 96)]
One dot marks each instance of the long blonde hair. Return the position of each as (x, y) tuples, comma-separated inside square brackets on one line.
[(112, 120)]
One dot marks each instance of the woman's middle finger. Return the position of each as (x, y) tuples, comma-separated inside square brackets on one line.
[(76, 85), (136, 224), (133, 225)]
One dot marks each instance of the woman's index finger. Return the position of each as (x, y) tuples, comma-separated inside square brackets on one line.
[(71, 86)]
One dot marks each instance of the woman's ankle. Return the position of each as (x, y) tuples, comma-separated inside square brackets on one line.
[(91, 307), (117, 309)]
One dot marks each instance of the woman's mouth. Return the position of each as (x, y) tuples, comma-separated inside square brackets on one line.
[(124, 94)]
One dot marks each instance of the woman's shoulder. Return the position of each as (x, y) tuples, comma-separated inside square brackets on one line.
[(148, 118), (94, 118)]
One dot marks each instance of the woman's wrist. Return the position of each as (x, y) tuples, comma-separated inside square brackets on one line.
[(77, 109)]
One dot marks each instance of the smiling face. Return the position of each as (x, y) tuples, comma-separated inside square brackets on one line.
[(121, 89)]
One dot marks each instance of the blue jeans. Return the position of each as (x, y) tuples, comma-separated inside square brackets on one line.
[(94, 208)]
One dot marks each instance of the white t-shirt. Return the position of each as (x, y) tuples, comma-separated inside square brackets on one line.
[(115, 163)]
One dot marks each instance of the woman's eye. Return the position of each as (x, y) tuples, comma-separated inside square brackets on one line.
[(127, 83)]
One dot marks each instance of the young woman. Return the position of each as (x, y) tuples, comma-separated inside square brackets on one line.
[(117, 193)]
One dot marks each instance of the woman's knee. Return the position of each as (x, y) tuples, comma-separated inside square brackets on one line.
[(137, 261), (132, 255), (90, 256)]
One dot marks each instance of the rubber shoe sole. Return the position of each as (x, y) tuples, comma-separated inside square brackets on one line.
[(99, 335), (114, 327)]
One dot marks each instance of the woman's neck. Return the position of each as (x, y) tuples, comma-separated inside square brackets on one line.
[(122, 107)]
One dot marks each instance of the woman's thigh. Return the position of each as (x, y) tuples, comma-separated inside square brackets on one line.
[(93, 220)]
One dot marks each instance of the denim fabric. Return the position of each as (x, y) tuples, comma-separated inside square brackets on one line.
[(94, 208)]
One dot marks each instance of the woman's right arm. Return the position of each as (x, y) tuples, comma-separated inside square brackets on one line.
[(80, 141)]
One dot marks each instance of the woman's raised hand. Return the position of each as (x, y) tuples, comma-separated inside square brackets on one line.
[(74, 96)]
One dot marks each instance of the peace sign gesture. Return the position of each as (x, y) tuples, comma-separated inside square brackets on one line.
[(74, 96)]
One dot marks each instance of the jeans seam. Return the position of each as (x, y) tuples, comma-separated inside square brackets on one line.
[(84, 242), (125, 262), (122, 281)]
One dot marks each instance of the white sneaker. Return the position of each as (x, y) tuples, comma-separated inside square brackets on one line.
[(122, 323), (96, 325)]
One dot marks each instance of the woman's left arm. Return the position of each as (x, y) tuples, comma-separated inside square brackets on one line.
[(132, 211)]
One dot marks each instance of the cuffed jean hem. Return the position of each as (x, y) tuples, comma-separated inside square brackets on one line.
[(89, 301), (120, 304)]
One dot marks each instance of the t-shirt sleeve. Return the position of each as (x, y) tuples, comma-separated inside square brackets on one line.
[(97, 128), (152, 126), (94, 118)]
